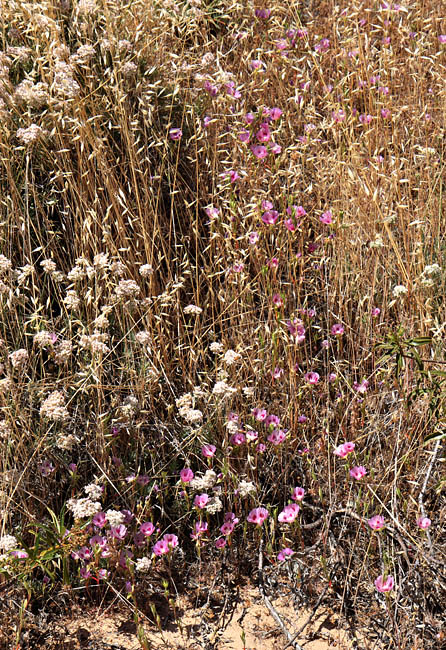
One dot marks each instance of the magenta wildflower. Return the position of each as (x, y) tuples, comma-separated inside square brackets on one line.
[(277, 373), (263, 13), (253, 238), (362, 387), (326, 217), (385, 113), (358, 472), (259, 414), (258, 516), (249, 118), (323, 45), (99, 519), (275, 148), (208, 450), (275, 113), (227, 528), (289, 513), (277, 300), (175, 134), (186, 475), (220, 542), (85, 573), (290, 225), (161, 548), (201, 500), (237, 439), (337, 329), (298, 494), (118, 532), (252, 436), (244, 136), (312, 377), (277, 436), (270, 217), (442, 38), (263, 134), (259, 151), (200, 528), (256, 64), (384, 585), (172, 540), (423, 522), (376, 311), (147, 529), (376, 522), (284, 554)]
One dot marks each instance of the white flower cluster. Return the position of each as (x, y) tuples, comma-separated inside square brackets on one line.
[(430, 274), (399, 291), (145, 270), (71, 300), (83, 508), (231, 357), (19, 358), (54, 407), (31, 134), (93, 491), (245, 488), (114, 517), (42, 339), (222, 389), (142, 565), (192, 309), (216, 347), (204, 482), (8, 543), (5, 430), (214, 505), (34, 95), (95, 342), (127, 289)]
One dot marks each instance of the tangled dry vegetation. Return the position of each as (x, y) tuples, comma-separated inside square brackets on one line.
[(222, 308)]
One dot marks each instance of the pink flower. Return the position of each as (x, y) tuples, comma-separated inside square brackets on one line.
[(261, 448), (249, 118), (244, 136), (46, 468), (296, 329), (338, 116), (99, 519), (208, 450), (273, 263), (253, 237), (233, 176), (277, 300), (277, 373), (337, 329), (85, 573), (263, 13), (260, 414), (147, 529), (186, 475), (201, 527), (289, 513), (20, 554), (270, 217), (258, 516), (256, 64), (237, 439), (118, 532), (175, 134), (201, 500), (272, 419), (365, 119), (384, 585), (326, 217), (362, 387), (332, 377), (376, 522), (171, 540), (312, 377), (298, 494), (376, 311), (284, 554), (212, 212), (227, 528), (259, 151), (385, 113), (358, 472), (323, 45), (220, 542), (263, 134), (275, 113), (252, 436), (290, 225), (442, 38), (277, 436), (423, 522), (275, 148), (296, 210), (161, 548)]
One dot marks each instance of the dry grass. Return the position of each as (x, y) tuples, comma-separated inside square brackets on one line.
[(124, 214)]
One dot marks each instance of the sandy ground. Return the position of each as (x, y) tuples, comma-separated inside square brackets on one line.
[(249, 626)]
